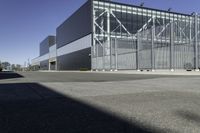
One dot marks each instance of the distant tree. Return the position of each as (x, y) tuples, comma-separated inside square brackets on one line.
[(5, 65), (13, 67)]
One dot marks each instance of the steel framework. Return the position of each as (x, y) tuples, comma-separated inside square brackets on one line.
[(131, 37)]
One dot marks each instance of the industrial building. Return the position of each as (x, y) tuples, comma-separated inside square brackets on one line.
[(105, 35), (48, 54)]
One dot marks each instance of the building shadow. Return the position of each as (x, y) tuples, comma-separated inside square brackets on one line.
[(9, 75), (33, 108), (189, 116)]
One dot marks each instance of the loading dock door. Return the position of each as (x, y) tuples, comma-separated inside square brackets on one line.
[(53, 65)]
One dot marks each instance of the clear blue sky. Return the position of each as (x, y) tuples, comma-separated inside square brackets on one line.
[(25, 23)]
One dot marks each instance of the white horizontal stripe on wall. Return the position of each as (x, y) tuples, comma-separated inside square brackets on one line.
[(52, 48), (52, 54), (77, 45), (37, 60)]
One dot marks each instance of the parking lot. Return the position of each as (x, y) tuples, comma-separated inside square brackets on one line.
[(79, 102)]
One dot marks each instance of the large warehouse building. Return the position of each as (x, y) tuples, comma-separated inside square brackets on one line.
[(105, 35)]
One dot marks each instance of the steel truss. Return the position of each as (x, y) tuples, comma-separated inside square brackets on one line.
[(155, 31)]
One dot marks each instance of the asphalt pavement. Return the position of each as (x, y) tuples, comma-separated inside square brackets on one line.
[(88, 102)]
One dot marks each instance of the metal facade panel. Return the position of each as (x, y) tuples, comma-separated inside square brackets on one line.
[(44, 65), (75, 60), (45, 44), (77, 45), (52, 40), (76, 26), (52, 52)]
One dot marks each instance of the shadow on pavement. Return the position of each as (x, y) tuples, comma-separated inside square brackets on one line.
[(9, 75), (189, 116), (33, 108)]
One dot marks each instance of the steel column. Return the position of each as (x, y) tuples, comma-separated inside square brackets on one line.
[(171, 46), (109, 40), (95, 52), (195, 42), (116, 55), (137, 56), (152, 46)]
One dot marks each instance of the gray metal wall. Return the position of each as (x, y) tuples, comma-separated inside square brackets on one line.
[(76, 26), (45, 44), (75, 61), (44, 65)]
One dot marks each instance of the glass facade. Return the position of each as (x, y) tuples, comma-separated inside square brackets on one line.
[(133, 37)]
